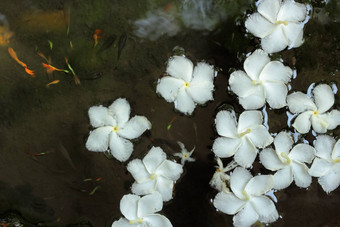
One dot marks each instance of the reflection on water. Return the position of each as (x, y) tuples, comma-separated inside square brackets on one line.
[(43, 130)]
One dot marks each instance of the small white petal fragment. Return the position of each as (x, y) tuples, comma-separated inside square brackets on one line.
[(180, 67), (226, 125), (228, 203), (255, 63), (299, 102), (324, 97), (99, 139), (135, 127), (120, 148), (168, 88), (120, 109)]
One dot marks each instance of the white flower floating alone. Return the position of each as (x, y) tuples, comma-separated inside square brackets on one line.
[(154, 173), (264, 80), (247, 199), (278, 24), (185, 155), (288, 162), (313, 112), (242, 140), (187, 85), (114, 129), (326, 165), (140, 211)]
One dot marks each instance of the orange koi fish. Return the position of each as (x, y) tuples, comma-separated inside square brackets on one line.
[(97, 35), (53, 82), (52, 68), (15, 57)]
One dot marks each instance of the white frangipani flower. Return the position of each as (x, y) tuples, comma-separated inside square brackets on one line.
[(114, 129), (313, 111), (278, 23), (263, 80), (243, 139), (220, 177), (326, 165), (247, 199), (185, 155), (140, 211), (288, 162), (187, 85), (154, 173)]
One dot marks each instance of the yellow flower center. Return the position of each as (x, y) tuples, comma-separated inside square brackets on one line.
[(245, 132), (186, 84), (256, 82), (153, 176), (282, 22), (287, 159), (115, 129), (218, 170), (315, 112), (137, 221), (337, 160), (246, 196)]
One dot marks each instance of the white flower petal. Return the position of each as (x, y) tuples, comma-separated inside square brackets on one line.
[(170, 170), (246, 217), (99, 116), (300, 174), (255, 100), (333, 119), (276, 94), (283, 178), (324, 97), (302, 153), (255, 63), (238, 181), (265, 208), (149, 204), (324, 146), (120, 148), (330, 181), (99, 139), (144, 188), (299, 102), (240, 83), (184, 102), (201, 92), (292, 11), (225, 124), (336, 151), (120, 109), (294, 33), (276, 41), (129, 206), (165, 187), (283, 142), (320, 167), (258, 25), (259, 185), (303, 122), (225, 147), (246, 153), (259, 136), (269, 9), (248, 119), (138, 170), (276, 71), (157, 220), (228, 203), (168, 88), (180, 67), (270, 160), (153, 159), (319, 123), (135, 127), (123, 222), (203, 72)]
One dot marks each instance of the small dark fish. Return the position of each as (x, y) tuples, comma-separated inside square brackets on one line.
[(107, 43), (121, 44)]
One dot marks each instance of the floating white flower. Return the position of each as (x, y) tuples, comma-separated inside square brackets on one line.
[(288, 162), (140, 211), (247, 199), (264, 80), (313, 111), (278, 24), (241, 140), (114, 129), (187, 85), (326, 165), (185, 155), (220, 177), (154, 173)]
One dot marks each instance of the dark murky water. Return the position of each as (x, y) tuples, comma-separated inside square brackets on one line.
[(49, 189)]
